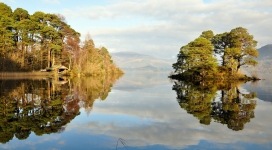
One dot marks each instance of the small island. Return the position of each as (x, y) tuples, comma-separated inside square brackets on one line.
[(44, 44), (198, 60)]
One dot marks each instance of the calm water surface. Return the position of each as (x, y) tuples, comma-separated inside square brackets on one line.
[(137, 111)]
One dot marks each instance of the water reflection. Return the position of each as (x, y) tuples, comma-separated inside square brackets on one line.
[(221, 101), (142, 109), (45, 106)]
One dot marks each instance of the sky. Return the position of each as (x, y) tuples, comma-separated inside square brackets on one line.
[(156, 27)]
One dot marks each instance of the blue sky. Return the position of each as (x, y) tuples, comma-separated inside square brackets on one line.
[(156, 27)]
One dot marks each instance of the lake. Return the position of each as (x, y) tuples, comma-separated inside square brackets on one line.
[(140, 110)]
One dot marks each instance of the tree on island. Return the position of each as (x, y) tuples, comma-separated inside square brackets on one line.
[(196, 57), (196, 60)]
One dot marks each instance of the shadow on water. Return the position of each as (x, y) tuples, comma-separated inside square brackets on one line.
[(222, 102), (45, 106)]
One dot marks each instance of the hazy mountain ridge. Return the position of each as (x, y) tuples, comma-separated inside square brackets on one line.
[(264, 62), (265, 52), (264, 59), (140, 79), (136, 61)]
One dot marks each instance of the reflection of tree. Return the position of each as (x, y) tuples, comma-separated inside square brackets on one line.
[(46, 106), (34, 106), (89, 89), (196, 100), (233, 108)]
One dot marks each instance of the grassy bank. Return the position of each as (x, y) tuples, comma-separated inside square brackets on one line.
[(25, 75), (216, 76)]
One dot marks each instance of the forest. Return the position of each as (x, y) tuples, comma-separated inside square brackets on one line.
[(199, 58), (44, 41)]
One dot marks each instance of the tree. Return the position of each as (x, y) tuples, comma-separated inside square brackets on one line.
[(236, 45), (71, 45), (52, 43), (229, 58), (180, 65), (6, 39), (20, 14), (236, 48), (39, 46), (34, 42), (197, 57), (5, 10), (207, 34), (241, 40), (220, 43), (21, 28)]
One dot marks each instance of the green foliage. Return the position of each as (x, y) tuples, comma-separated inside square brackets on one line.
[(6, 34), (38, 17), (207, 34), (197, 58), (243, 41), (5, 10), (236, 48), (42, 40), (20, 14), (33, 42)]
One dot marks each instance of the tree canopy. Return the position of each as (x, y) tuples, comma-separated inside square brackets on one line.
[(196, 57), (41, 40), (236, 48)]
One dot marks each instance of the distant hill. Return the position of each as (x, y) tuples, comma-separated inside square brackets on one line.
[(138, 80), (136, 61), (264, 60), (265, 52)]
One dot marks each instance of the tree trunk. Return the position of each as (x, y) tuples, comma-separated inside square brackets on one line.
[(48, 58), (70, 61), (53, 59), (222, 96), (23, 58), (238, 66), (223, 60)]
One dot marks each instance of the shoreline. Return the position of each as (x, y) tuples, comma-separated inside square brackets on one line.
[(228, 78), (25, 75)]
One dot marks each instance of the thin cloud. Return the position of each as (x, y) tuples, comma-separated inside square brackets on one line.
[(162, 123), (52, 1), (156, 24)]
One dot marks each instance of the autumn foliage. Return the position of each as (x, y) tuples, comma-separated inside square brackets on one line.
[(44, 41)]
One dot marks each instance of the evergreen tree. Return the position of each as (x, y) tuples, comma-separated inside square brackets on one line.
[(197, 57), (42, 40), (244, 46), (236, 48)]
